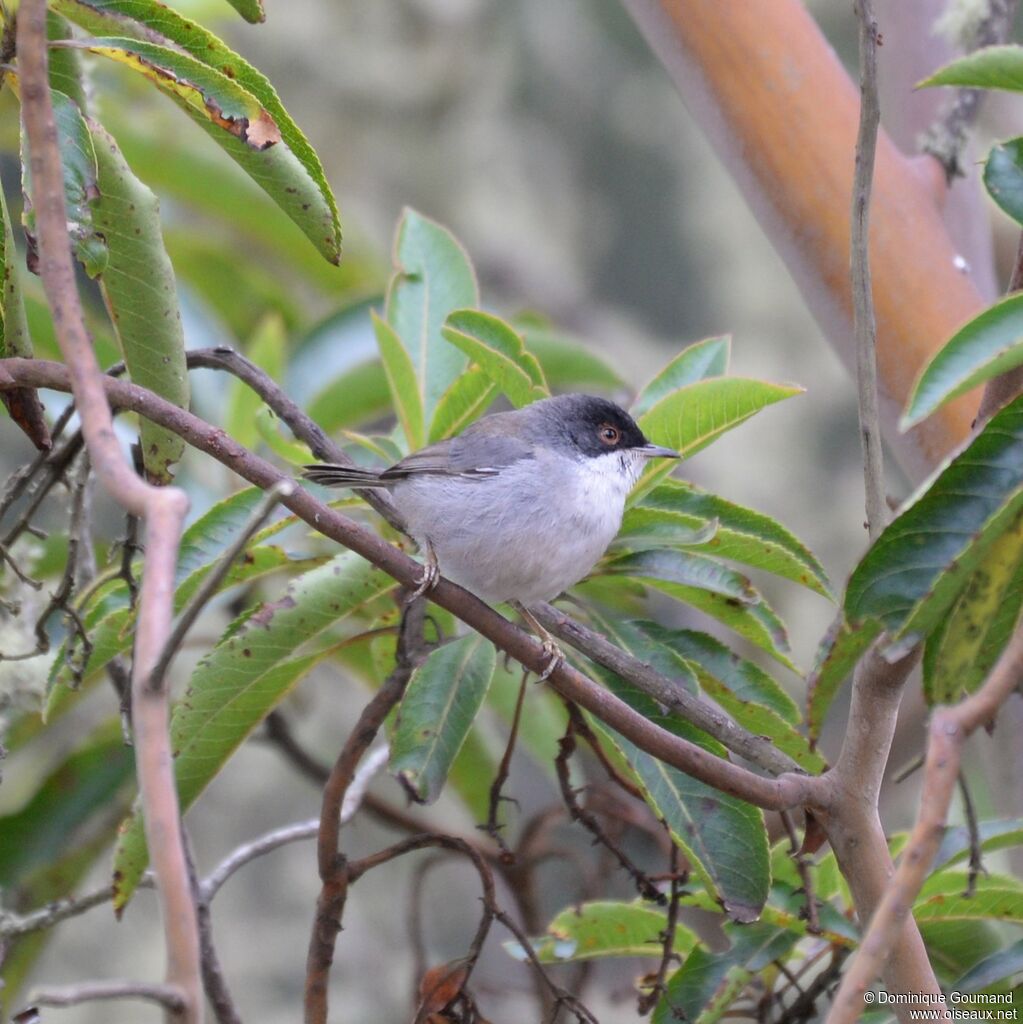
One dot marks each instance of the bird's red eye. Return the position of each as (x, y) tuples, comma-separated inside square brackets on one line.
[(610, 435)]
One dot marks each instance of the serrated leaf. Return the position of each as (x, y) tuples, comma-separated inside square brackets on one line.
[(702, 988), (964, 648), (742, 535), (917, 567), (464, 401), (567, 364), (238, 682), (140, 293), (267, 348), (696, 415), (745, 691), (604, 928), (990, 67), (354, 397), (81, 185), (1003, 177), (432, 277), (313, 208), (722, 837), (702, 359), (988, 346), (499, 352), (437, 711), (712, 589), (840, 649), (401, 379)]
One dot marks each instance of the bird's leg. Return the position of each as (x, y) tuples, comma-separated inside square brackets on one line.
[(554, 653), (431, 573)]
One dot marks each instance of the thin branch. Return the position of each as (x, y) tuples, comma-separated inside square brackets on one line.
[(168, 996), (213, 579), (789, 790), (163, 509), (864, 323), (492, 826), (335, 873), (976, 861), (52, 914), (805, 870), (949, 729)]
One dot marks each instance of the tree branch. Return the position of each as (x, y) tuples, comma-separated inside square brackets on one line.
[(163, 509), (169, 996)]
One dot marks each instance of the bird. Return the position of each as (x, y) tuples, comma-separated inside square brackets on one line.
[(520, 505)]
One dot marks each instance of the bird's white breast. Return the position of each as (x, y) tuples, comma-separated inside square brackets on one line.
[(527, 533)]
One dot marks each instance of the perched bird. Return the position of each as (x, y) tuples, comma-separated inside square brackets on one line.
[(520, 505)]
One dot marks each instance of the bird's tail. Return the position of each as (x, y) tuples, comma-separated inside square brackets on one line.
[(331, 475)]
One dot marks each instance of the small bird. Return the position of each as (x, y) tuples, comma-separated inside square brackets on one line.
[(520, 505)]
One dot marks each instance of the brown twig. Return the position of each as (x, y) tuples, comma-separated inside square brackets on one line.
[(949, 729), (789, 790), (334, 870), (976, 861), (650, 999), (492, 827), (805, 870), (168, 996), (864, 323), (163, 509)]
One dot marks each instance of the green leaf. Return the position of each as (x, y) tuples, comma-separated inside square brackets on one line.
[(66, 72), (984, 905), (543, 717), (743, 535), (466, 400), (139, 290), (15, 339), (713, 589), (251, 10), (840, 650), (604, 928), (696, 415), (354, 397), (432, 277), (917, 567), (745, 691), (471, 773), (81, 185), (994, 835), (401, 379), (148, 16), (702, 359), (239, 123), (567, 364), (499, 352), (988, 346), (49, 822), (267, 349), (1003, 177), (991, 67), (438, 710), (237, 683), (969, 640), (723, 838), (704, 986), (992, 970)]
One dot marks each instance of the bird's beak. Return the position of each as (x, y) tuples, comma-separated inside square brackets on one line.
[(656, 451)]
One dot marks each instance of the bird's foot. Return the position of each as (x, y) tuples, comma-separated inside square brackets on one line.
[(431, 574), (555, 656)]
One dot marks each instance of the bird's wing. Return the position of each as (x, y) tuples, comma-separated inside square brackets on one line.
[(475, 453)]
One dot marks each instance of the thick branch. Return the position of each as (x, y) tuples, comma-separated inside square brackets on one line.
[(787, 791), (163, 509)]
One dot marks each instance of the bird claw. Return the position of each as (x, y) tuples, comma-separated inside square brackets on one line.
[(431, 574), (555, 656)]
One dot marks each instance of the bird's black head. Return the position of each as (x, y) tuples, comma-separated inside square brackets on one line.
[(593, 426)]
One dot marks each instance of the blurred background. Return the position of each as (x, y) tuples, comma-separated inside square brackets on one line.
[(550, 141)]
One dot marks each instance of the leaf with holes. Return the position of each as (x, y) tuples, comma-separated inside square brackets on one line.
[(437, 711), (432, 278), (702, 359), (244, 677), (915, 570), (313, 205), (499, 352)]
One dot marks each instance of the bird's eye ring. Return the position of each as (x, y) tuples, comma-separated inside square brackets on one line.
[(609, 435)]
